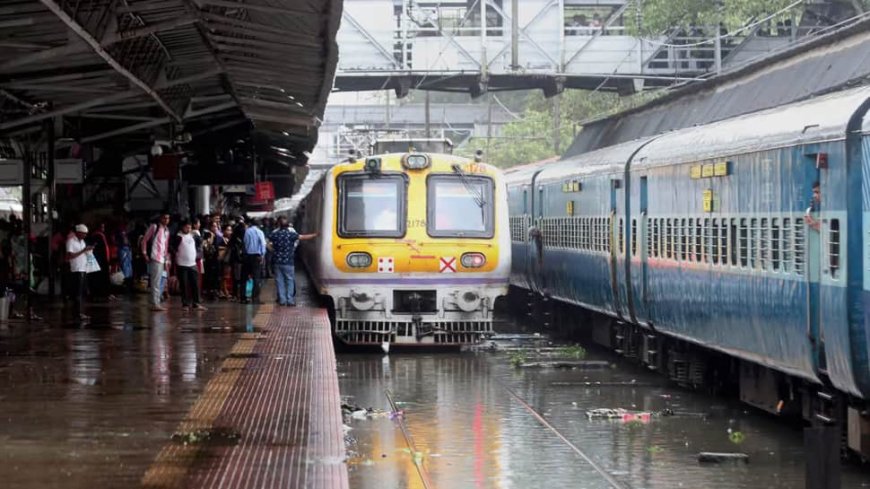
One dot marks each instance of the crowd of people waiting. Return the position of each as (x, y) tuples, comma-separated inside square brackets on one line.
[(211, 257)]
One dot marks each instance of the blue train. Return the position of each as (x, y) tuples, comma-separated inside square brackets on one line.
[(706, 245)]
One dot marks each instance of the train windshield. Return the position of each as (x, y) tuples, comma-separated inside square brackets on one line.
[(460, 206), (372, 207)]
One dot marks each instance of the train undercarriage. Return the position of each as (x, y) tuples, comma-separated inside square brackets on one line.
[(699, 368)]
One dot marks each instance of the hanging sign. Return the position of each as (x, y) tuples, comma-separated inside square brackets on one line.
[(11, 173), (264, 191), (68, 170)]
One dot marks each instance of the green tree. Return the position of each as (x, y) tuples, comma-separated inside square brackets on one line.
[(531, 137), (659, 16)]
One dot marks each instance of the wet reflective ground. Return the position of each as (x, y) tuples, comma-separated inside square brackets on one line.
[(469, 432), (91, 406)]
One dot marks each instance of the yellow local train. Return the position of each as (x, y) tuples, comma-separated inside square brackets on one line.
[(413, 248)]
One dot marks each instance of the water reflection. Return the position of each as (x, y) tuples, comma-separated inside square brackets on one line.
[(89, 406), (470, 433)]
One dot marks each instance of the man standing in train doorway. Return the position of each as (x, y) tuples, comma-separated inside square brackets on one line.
[(283, 241), (815, 207)]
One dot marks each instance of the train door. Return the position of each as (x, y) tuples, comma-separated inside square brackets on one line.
[(814, 262), (535, 249), (636, 266), (617, 248)]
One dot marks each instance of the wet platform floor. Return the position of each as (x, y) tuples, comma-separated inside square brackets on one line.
[(175, 399)]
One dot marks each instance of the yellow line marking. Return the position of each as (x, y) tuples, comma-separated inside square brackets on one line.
[(170, 467)]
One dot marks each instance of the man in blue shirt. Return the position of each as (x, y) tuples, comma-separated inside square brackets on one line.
[(284, 240), (255, 250)]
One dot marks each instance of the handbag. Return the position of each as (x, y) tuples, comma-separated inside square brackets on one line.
[(91, 265)]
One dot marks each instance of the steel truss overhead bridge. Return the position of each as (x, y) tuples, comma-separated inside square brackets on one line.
[(543, 44)]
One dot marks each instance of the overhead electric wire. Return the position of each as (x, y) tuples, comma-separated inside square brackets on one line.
[(580, 453)]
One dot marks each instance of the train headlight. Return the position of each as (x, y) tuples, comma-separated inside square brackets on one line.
[(359, 259), (415, 161), (373, 165), (473, 260)]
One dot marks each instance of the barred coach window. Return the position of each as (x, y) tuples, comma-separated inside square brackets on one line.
[(460, 206), (372, 207)]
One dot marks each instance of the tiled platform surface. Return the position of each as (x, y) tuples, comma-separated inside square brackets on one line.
[(275, 404)]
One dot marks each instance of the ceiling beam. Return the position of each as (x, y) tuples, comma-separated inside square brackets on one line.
[(190, 114), (95, 45), (17, 100), (22, 45), (75, 48), (258, 31), (116, 117), (69, 109), (281, 119), (147, 30), (289, 11), (190, 79), (270, 41), (291, 107), (126, 130)]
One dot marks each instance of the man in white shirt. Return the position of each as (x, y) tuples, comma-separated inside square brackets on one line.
[(184, 245), (155, 248), (77, 256)]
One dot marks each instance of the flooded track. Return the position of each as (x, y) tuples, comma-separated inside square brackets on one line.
[(470, 431)]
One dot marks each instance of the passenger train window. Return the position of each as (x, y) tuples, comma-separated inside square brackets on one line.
[(621, 237), (764, 241), (634, 237), (834, 248), (459, 205), (707, 258), (699, 241), (372, 207), (775, 244), (744, 243), (649, 238), (753, 243), (683, 238), (723, 241), (691, 240), (714, 235), (787, 246), (669, 238), (733, 248), (799, 259)]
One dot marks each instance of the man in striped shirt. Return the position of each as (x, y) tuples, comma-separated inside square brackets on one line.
[(155, 247)]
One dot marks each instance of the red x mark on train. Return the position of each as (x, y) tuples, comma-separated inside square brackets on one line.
[(447, 264)]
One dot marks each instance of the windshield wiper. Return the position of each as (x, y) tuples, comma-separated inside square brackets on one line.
[(476, 194)]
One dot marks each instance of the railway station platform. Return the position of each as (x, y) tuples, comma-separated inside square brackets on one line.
[(236, 396)]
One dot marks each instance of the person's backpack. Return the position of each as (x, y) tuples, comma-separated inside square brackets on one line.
[(150, 244)]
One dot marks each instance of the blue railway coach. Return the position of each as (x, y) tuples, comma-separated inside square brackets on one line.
[(697, 241)]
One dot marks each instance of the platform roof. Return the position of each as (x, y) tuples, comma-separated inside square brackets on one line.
[(122, 72)]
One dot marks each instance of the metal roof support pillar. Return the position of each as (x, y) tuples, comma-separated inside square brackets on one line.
[(515, 35), (483, 63), (27, 208), (50, 136), (428, 125)]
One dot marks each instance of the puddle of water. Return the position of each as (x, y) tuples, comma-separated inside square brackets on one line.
[(470, 432)]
